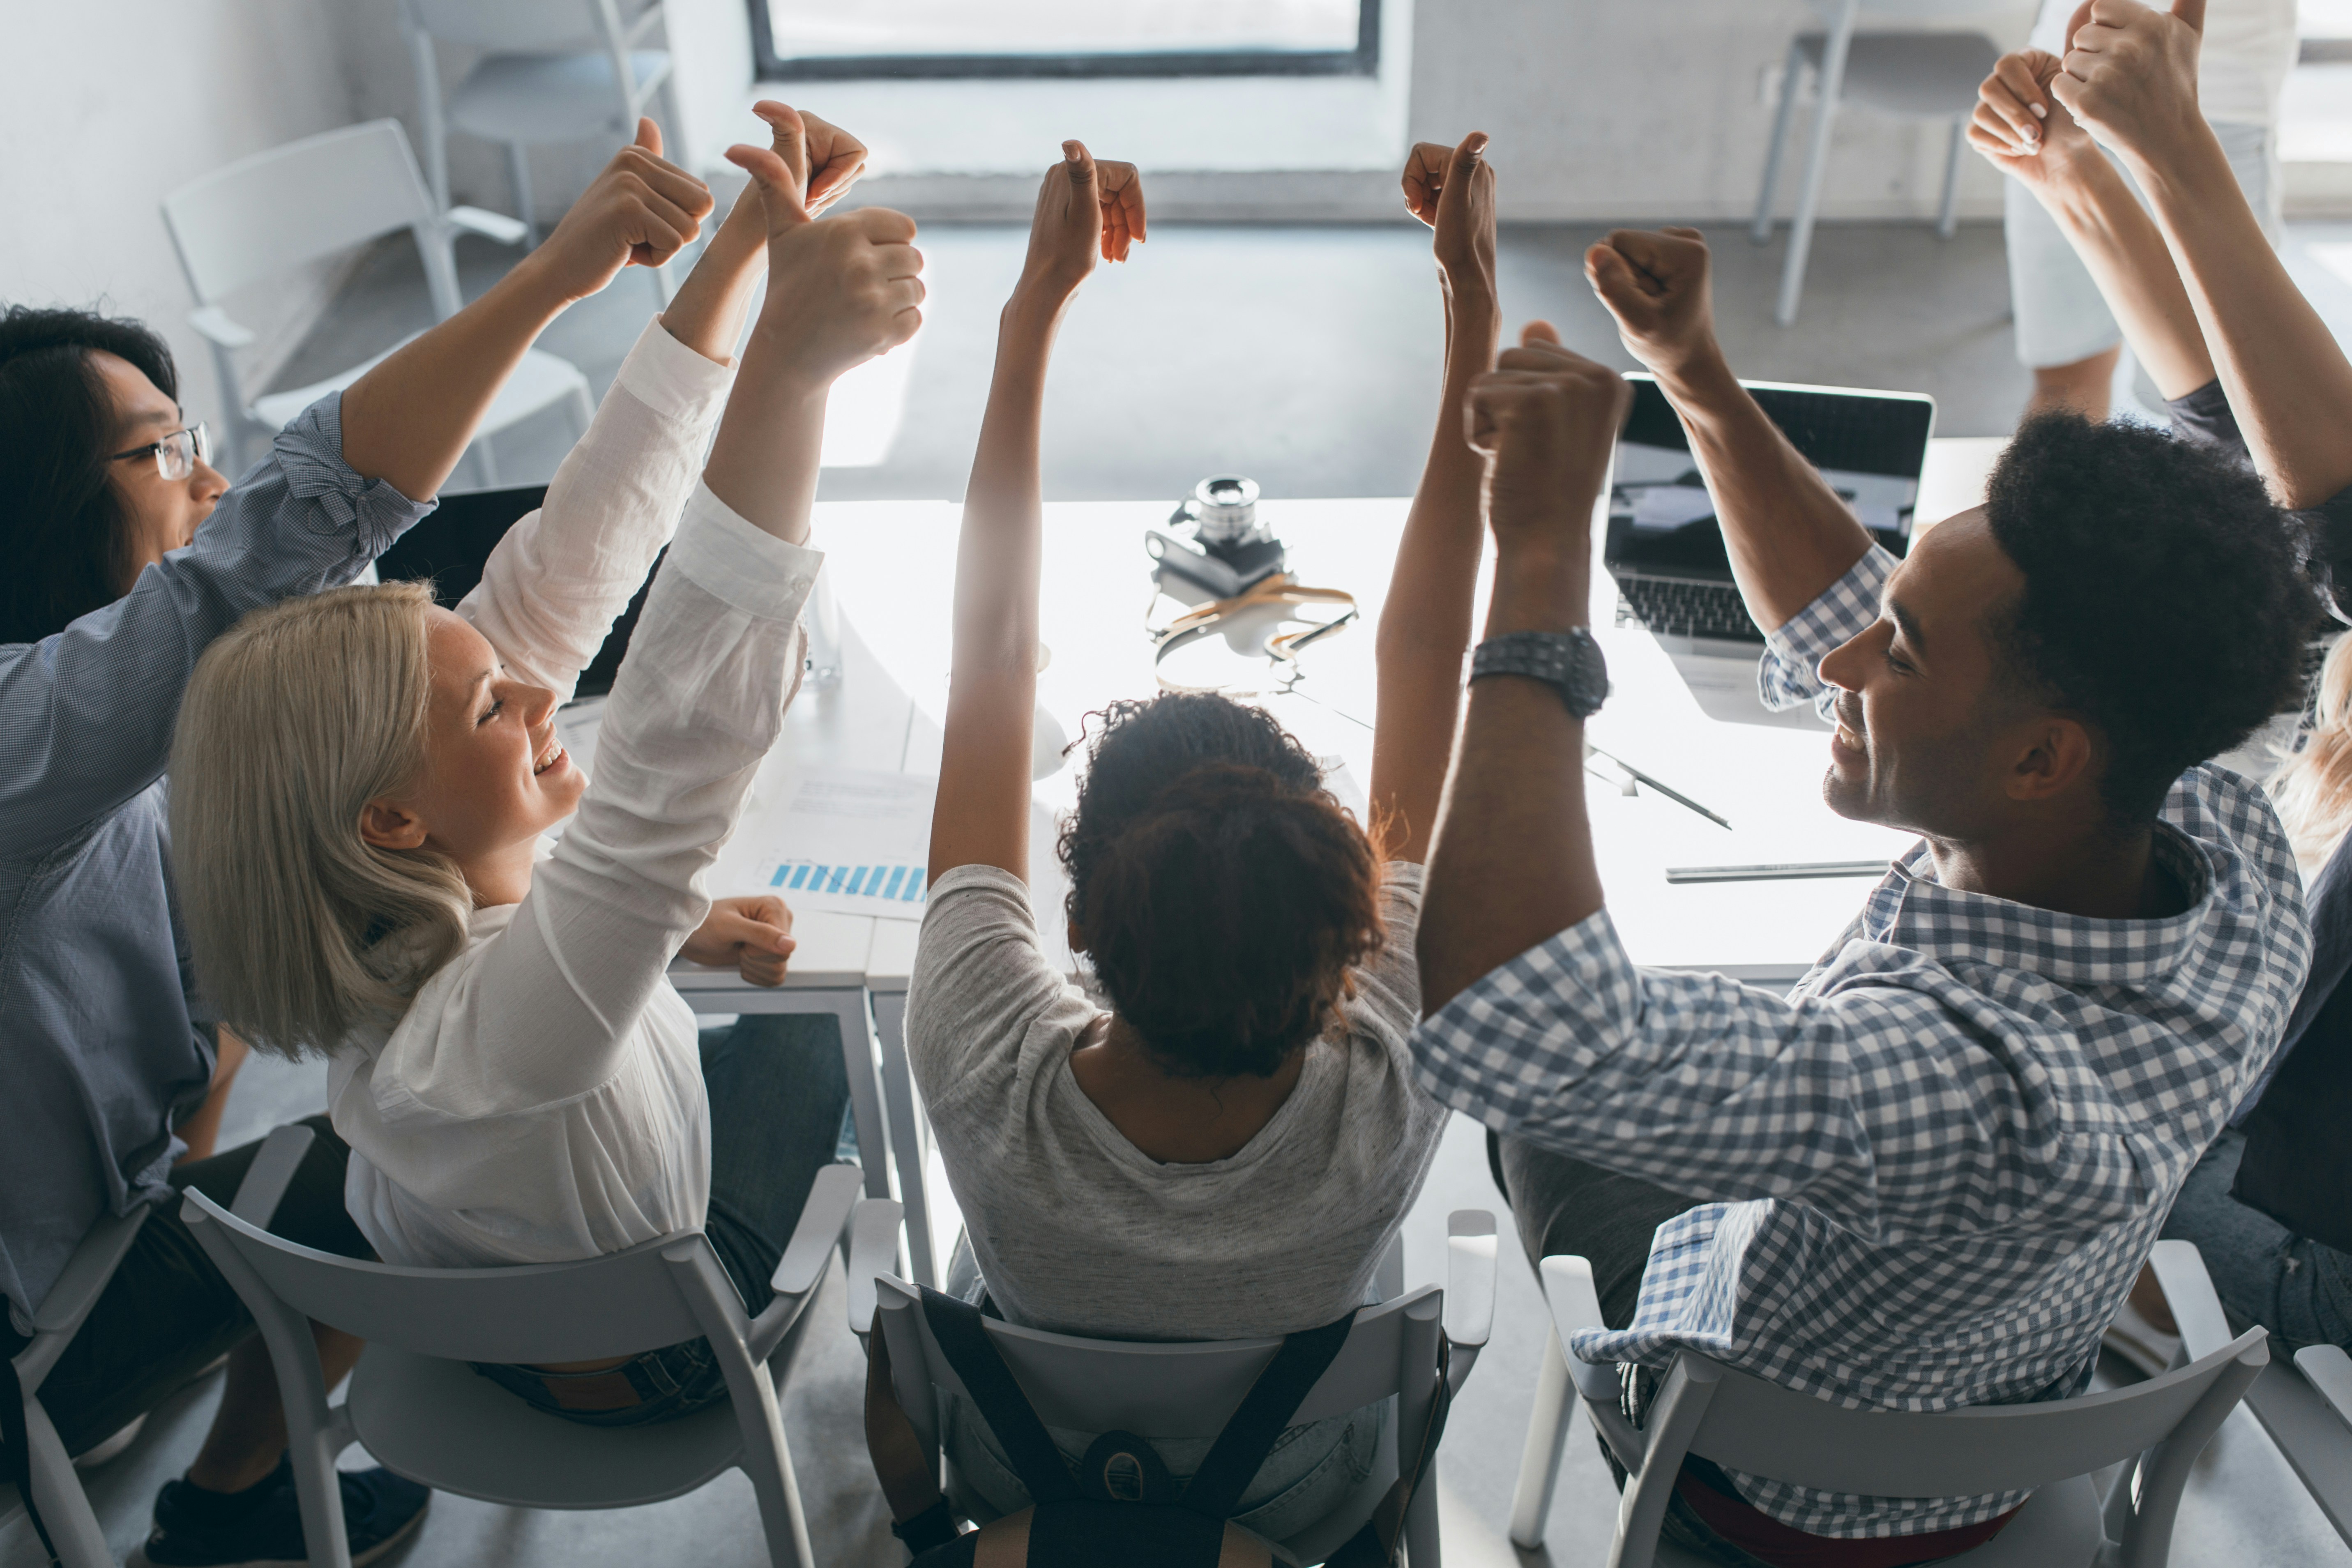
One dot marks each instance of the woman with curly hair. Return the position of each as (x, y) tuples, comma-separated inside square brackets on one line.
[(1228, 1148)]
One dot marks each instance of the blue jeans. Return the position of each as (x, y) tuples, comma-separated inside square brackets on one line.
[(2265, 1273), (777, 1090)]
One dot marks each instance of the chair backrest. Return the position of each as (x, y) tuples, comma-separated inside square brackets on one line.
[(1753, 1426), (537, 27), (1164, 1390), (273, 211), (614, 1305)]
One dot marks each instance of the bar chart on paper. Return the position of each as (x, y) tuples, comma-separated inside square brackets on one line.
[(887, 884)]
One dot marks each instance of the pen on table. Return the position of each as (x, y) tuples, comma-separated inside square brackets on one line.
[(1787, 871), (1638, 776)]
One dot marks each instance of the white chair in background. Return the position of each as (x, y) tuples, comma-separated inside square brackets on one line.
[(1188, 1390), (424, 1413), (554, 70), (2154, 1429), (1916, 75), (58, 1492), (2307, 1407), (264, 216)]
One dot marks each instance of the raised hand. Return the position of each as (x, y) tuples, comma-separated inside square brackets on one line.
[(1655, 284), (638, 213), (1085, 208), (2021, 129), (1546, 419), (842, 291), (754, 934), (1451, 189), (2130, 75)]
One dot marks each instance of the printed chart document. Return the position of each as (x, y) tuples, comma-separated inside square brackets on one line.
[(853, 841)]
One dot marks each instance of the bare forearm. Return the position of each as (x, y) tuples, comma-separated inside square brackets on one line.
[(2288, 383), (2126, 255), (408, 420), (770, 444), (1789, 535), (706, 313), (1513, 863), (1426, 619)]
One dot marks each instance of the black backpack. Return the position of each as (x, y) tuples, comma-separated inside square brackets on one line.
[(1122, 1506)]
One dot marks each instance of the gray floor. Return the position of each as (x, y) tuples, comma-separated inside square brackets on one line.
[(1307, 358)]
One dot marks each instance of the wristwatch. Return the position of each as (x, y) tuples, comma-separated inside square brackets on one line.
[(1569, 662)]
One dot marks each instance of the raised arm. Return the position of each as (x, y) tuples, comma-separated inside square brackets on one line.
[(1789, 535), (1425, 620), (1085, 209), (2029, 135), (2130, 76), (1513, 864), (408, 420)]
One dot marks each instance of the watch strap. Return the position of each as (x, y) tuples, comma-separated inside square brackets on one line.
[(1569, 662)]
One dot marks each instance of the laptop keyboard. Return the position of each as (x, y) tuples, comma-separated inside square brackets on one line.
[(1686, 609)]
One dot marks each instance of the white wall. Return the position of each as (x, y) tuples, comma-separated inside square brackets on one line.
[(110, 106)]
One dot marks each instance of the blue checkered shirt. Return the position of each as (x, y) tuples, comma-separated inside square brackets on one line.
[(1935, 1167)]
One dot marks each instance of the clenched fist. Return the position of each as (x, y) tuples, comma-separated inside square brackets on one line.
[(1655, 284), (2130, 75), (2022, 129), (639, 212), (1546, 419), (755, 935)]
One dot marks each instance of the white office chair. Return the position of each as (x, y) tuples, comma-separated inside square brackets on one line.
[(2305, 1406), (265, 214), (1930, 76), (65, 1508), (422, 1413), (2154, 1429), (1190, 1390), (556, 70)]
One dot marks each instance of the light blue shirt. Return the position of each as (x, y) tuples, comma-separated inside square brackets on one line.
[(99, 1046)]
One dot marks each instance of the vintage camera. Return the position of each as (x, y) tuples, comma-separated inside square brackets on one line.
[(1213, 545)]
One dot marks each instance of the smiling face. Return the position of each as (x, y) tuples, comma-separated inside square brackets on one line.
[(161, 515), (495, 776), (1930, 737)]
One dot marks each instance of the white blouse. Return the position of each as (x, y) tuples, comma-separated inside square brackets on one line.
[(541, 1098)]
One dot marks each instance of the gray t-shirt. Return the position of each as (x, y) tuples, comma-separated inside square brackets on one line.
[(1078, 1231)]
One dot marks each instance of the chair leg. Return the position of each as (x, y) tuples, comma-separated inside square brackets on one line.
[(1547, 1442), (1947, 220), (768, 1460), (484, 463), (1791, 73), (518, 172), (1421, 1549), (58, 1492), (1817, 158)]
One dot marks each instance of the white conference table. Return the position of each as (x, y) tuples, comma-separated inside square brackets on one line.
[(891, 565)]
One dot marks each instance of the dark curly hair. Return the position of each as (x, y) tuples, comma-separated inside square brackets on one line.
[(63, 529), (1222, 892), (2164, 601)]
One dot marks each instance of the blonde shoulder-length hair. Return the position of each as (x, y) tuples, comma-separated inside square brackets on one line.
[(293, 721), (2312, 786)]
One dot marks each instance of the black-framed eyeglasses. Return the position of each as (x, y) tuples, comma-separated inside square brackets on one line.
[(176, 454)]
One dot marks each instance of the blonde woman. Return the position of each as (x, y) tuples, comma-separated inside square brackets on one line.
[(516, 1077), (2313, 787)]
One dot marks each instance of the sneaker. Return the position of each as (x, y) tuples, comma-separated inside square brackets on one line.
[(261, 1527), (2141, 1343)]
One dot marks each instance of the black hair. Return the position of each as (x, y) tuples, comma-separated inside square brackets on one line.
[(1223, 892), (2164, 602), (64, 529)]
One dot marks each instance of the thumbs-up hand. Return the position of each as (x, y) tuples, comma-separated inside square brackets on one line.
[(639, 212), (2129, 75), (1086, 207), (1544, 419), (1451, 189)]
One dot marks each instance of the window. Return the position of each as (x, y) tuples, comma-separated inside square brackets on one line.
[(810, 40)]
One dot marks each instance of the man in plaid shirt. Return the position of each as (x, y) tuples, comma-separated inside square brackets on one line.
[(1929, 1175)]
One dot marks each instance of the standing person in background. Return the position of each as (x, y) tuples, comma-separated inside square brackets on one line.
[(2065, 333)]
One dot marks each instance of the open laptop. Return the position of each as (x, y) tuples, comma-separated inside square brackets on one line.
[(1665, 549)]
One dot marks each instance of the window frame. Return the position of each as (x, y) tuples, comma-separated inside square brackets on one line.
[(1363, 61)]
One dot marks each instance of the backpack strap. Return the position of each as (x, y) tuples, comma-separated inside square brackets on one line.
[(1250, 1435), (957, 1326)]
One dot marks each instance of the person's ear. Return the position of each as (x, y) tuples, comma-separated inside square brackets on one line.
[(389, 826), (1078, 935), (2059, 756)]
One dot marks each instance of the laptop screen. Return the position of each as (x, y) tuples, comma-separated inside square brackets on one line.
[(1869, 445)]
